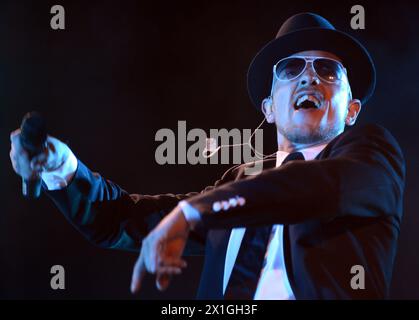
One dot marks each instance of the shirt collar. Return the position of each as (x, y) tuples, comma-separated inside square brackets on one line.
[(309, 153)]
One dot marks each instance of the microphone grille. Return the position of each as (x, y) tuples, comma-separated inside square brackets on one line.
[(33, 131)]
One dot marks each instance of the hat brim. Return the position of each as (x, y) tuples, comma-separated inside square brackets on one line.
[(355, 58)]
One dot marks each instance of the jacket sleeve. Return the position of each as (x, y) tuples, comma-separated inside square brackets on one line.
[(110, 217), (361, 173)]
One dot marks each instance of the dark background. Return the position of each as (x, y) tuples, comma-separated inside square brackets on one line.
[(124, 69)]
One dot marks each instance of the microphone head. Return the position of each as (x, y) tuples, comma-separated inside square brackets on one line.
[(210, 148), (33, 132)]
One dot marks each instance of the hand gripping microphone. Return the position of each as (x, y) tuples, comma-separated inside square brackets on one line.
[(33, 138)]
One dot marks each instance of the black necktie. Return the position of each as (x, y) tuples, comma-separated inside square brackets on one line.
[(245, 274)]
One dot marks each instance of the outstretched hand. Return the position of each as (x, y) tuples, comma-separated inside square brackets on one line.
[(161, 251)]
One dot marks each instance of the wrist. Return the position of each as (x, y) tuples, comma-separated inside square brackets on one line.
[(183, 217), (191, 215), (181, 221)]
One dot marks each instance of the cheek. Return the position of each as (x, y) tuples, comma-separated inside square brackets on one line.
[(282, 98), (338, 105)]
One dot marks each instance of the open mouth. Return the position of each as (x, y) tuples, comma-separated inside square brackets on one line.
[(307, 101)]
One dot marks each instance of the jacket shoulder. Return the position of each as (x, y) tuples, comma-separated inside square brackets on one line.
[(370, 130), (369, 133)]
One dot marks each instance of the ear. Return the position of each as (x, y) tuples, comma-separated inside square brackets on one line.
[(354, 108), (267, 109)]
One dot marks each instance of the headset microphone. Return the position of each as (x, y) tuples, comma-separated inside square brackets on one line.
[(212, 149)]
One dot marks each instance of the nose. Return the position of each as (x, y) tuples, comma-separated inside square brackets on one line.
[(309, 77)]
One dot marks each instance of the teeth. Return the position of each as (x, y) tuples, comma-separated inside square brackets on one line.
[(309, 98)]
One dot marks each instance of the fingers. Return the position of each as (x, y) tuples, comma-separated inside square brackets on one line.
[(57, 152), (165, 274), (171, 262), (165, 270), (19, 157), (138, 274), (38, 162), (161, 256), (15, 146), (169, 270), (54, 154), (14, 161), (163, 280), (14, 135), (149, 251), (15, 141)]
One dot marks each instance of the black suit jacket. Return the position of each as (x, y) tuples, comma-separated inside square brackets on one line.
[(339, 210)]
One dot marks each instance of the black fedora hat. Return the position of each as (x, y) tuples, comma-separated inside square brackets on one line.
[(309, 31)]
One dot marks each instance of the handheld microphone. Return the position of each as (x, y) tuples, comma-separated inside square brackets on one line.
[(33, 138)]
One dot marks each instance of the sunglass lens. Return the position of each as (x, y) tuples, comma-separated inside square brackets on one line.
[(290, 68), (329, 70)]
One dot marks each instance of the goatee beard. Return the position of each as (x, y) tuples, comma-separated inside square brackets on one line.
[(309, 136)]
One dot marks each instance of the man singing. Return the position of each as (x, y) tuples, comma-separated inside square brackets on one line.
[(330, 201)]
